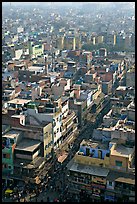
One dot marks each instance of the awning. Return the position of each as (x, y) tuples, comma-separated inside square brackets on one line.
[(126, 180), (8, 191)]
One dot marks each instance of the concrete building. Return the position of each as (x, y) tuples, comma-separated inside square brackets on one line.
[(60, 42), (69, 43), (100, 39), (9, 141), (107, 87), (35, 50), (121, 157), (111, 39), (92, 171), (130, 77)]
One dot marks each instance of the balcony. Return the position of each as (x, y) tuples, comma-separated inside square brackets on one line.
[(7, 150), (6, 172), (68, 118)]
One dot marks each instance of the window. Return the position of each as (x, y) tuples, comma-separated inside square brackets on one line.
[(9, 167), (8, 156), (87, 151), (110, 183), (118, 163), (5, 166), (4, 155), (99, 154)]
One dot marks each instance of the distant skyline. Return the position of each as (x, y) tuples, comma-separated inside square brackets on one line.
[(65, 2)]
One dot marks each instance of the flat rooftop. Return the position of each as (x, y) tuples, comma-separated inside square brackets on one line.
[(122, 88), (12, 134), (19, 101), (123, 151), (28, 145), (87, 169), (95, 144), (121, 177), (36, 68)]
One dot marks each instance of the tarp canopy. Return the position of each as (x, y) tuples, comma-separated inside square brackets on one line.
[(8, 191)]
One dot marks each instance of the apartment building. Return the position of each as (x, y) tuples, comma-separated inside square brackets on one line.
[(100, 168), (10, 139)]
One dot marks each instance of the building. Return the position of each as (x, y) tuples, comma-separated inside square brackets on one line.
[(100, 39), (120, 187), (69, 43), (121, 157), (35, 49), (9, 141), (111, 39), (96, 171), (130, 77), (102, 52), (107, 87), (60, 42)]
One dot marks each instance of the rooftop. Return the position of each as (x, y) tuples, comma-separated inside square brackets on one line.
[(35, 68), (122, 151), (28, 145), (12, 134), (122, 88), (87, 169), (121, 177), (19, 101), (95, 144)]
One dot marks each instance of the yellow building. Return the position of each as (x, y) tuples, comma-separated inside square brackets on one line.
[(100, 170), (93, 153), (94, 40), (60, 42), (115, 39), (121, 157), (48, 140), (100, 39)]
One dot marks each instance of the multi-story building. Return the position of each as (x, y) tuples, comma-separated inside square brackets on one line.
[(9, 141), (120, 187), (100, 39), (60, 42), (111, 39), (69, 43), (130, 77), (127, 41), (120, 40), (35, 49), (55, 112), (92, 170)]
